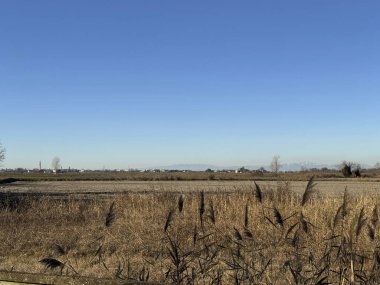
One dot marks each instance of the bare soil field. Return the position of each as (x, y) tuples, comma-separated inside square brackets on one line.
[(326, 188)]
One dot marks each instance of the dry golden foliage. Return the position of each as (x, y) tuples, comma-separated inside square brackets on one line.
[(291, 239)]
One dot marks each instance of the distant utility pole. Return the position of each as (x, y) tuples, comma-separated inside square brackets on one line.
[(40, 165)]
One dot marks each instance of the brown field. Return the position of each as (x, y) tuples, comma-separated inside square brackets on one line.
[(106, 188), (227, 235)]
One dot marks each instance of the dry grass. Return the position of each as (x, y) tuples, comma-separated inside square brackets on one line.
[(252, 235)]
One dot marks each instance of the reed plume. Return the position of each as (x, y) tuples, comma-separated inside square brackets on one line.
[(308, 191)]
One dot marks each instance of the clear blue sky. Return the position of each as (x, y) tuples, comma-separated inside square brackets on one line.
[(144, 83)]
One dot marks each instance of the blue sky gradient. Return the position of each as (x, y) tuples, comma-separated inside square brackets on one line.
[(122, 84)]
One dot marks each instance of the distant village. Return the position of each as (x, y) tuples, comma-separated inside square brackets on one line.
[(260, 170), (72, 170)]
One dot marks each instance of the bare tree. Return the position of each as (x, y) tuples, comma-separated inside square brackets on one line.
[(275, 164), (56, 163), (2, 153)]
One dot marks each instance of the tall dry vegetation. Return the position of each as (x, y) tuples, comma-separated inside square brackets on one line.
[(260, 236)]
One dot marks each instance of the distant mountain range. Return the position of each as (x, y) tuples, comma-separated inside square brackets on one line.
[(284, 167)]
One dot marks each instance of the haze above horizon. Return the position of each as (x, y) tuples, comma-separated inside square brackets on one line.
[(131, 84)]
